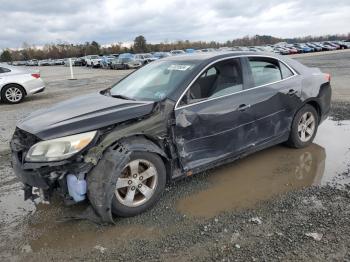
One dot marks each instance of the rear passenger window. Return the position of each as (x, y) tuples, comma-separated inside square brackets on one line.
[(268, 70)]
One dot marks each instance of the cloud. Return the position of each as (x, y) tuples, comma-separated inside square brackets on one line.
[(109, 21)]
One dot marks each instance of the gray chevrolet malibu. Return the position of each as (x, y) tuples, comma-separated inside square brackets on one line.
[(117, 148)]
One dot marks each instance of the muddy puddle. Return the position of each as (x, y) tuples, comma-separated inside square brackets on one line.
[(274, 171), (44, 227), (70, 235)]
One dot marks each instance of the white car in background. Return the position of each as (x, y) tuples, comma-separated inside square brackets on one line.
[(46, 62), (33, 62), (93, 61), (145, 58), (177, 52), (16, 83)]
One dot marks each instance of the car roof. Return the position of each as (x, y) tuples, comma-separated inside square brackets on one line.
[(12, 68), (15, 69), (208, 56), (204, 59)]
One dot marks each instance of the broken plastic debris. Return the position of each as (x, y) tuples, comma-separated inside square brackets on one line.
[(234, 237), (256, 220), (100, 248), (27, 249), (315, 236)]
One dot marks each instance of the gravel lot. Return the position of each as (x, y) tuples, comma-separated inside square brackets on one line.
[(278, 204)]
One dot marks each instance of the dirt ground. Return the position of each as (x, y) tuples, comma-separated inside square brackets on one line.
[(279, 204)]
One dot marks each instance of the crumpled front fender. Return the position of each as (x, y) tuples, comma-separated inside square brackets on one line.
[(102, 180)]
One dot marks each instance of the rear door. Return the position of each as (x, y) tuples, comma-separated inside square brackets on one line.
[(1, 77), (274, 96), (4, 72)]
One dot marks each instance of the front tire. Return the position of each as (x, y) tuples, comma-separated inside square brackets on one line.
[(12, 94), (304, 127), (139, 185)]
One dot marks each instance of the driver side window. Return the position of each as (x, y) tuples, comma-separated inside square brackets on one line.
[(222, 78)]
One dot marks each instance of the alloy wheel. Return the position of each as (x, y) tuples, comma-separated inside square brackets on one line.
[(137, 183), (306, 126), (14, 94)]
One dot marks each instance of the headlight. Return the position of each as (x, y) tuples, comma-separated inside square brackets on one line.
[(59, 148)]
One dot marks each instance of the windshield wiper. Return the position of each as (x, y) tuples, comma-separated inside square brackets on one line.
[(122, 97)]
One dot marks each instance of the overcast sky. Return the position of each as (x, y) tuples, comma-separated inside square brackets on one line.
[(109, 21)]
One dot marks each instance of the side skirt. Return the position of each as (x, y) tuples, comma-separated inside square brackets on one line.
[(281, 139)]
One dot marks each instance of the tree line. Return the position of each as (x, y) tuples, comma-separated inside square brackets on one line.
[(140, 45)]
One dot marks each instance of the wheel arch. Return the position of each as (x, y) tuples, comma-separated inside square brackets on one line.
[(13, 84), (144, 143), (315, 104), (312, 102)]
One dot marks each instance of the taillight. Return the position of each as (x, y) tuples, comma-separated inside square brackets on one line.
[(36, 75), (328, 77)]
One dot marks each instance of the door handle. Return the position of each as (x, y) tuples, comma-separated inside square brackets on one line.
[(243, 107), (292, 92)]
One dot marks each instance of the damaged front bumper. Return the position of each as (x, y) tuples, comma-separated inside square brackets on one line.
[(99, 178), (46, 176)]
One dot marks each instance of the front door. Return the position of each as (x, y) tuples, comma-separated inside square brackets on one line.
[(212, 120)]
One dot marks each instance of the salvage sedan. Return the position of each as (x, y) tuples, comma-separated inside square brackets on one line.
[(174, 117)]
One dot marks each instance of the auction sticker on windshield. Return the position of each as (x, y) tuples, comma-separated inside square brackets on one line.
[(179, 67)]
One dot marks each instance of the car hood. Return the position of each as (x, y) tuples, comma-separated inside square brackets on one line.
[(82, 114)]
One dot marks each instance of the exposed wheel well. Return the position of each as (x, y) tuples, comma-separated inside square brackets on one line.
[(316, 106), (147, 144)]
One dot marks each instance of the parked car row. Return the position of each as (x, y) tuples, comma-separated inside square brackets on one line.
[(35, 62), (288, 49), (128, 60)]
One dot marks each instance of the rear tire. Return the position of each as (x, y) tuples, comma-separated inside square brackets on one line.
[(304, 127), (12, 94), (144, 192)]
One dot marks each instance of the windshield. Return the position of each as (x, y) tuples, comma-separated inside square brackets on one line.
[(153, 81), (125, 55), (124, 60)]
